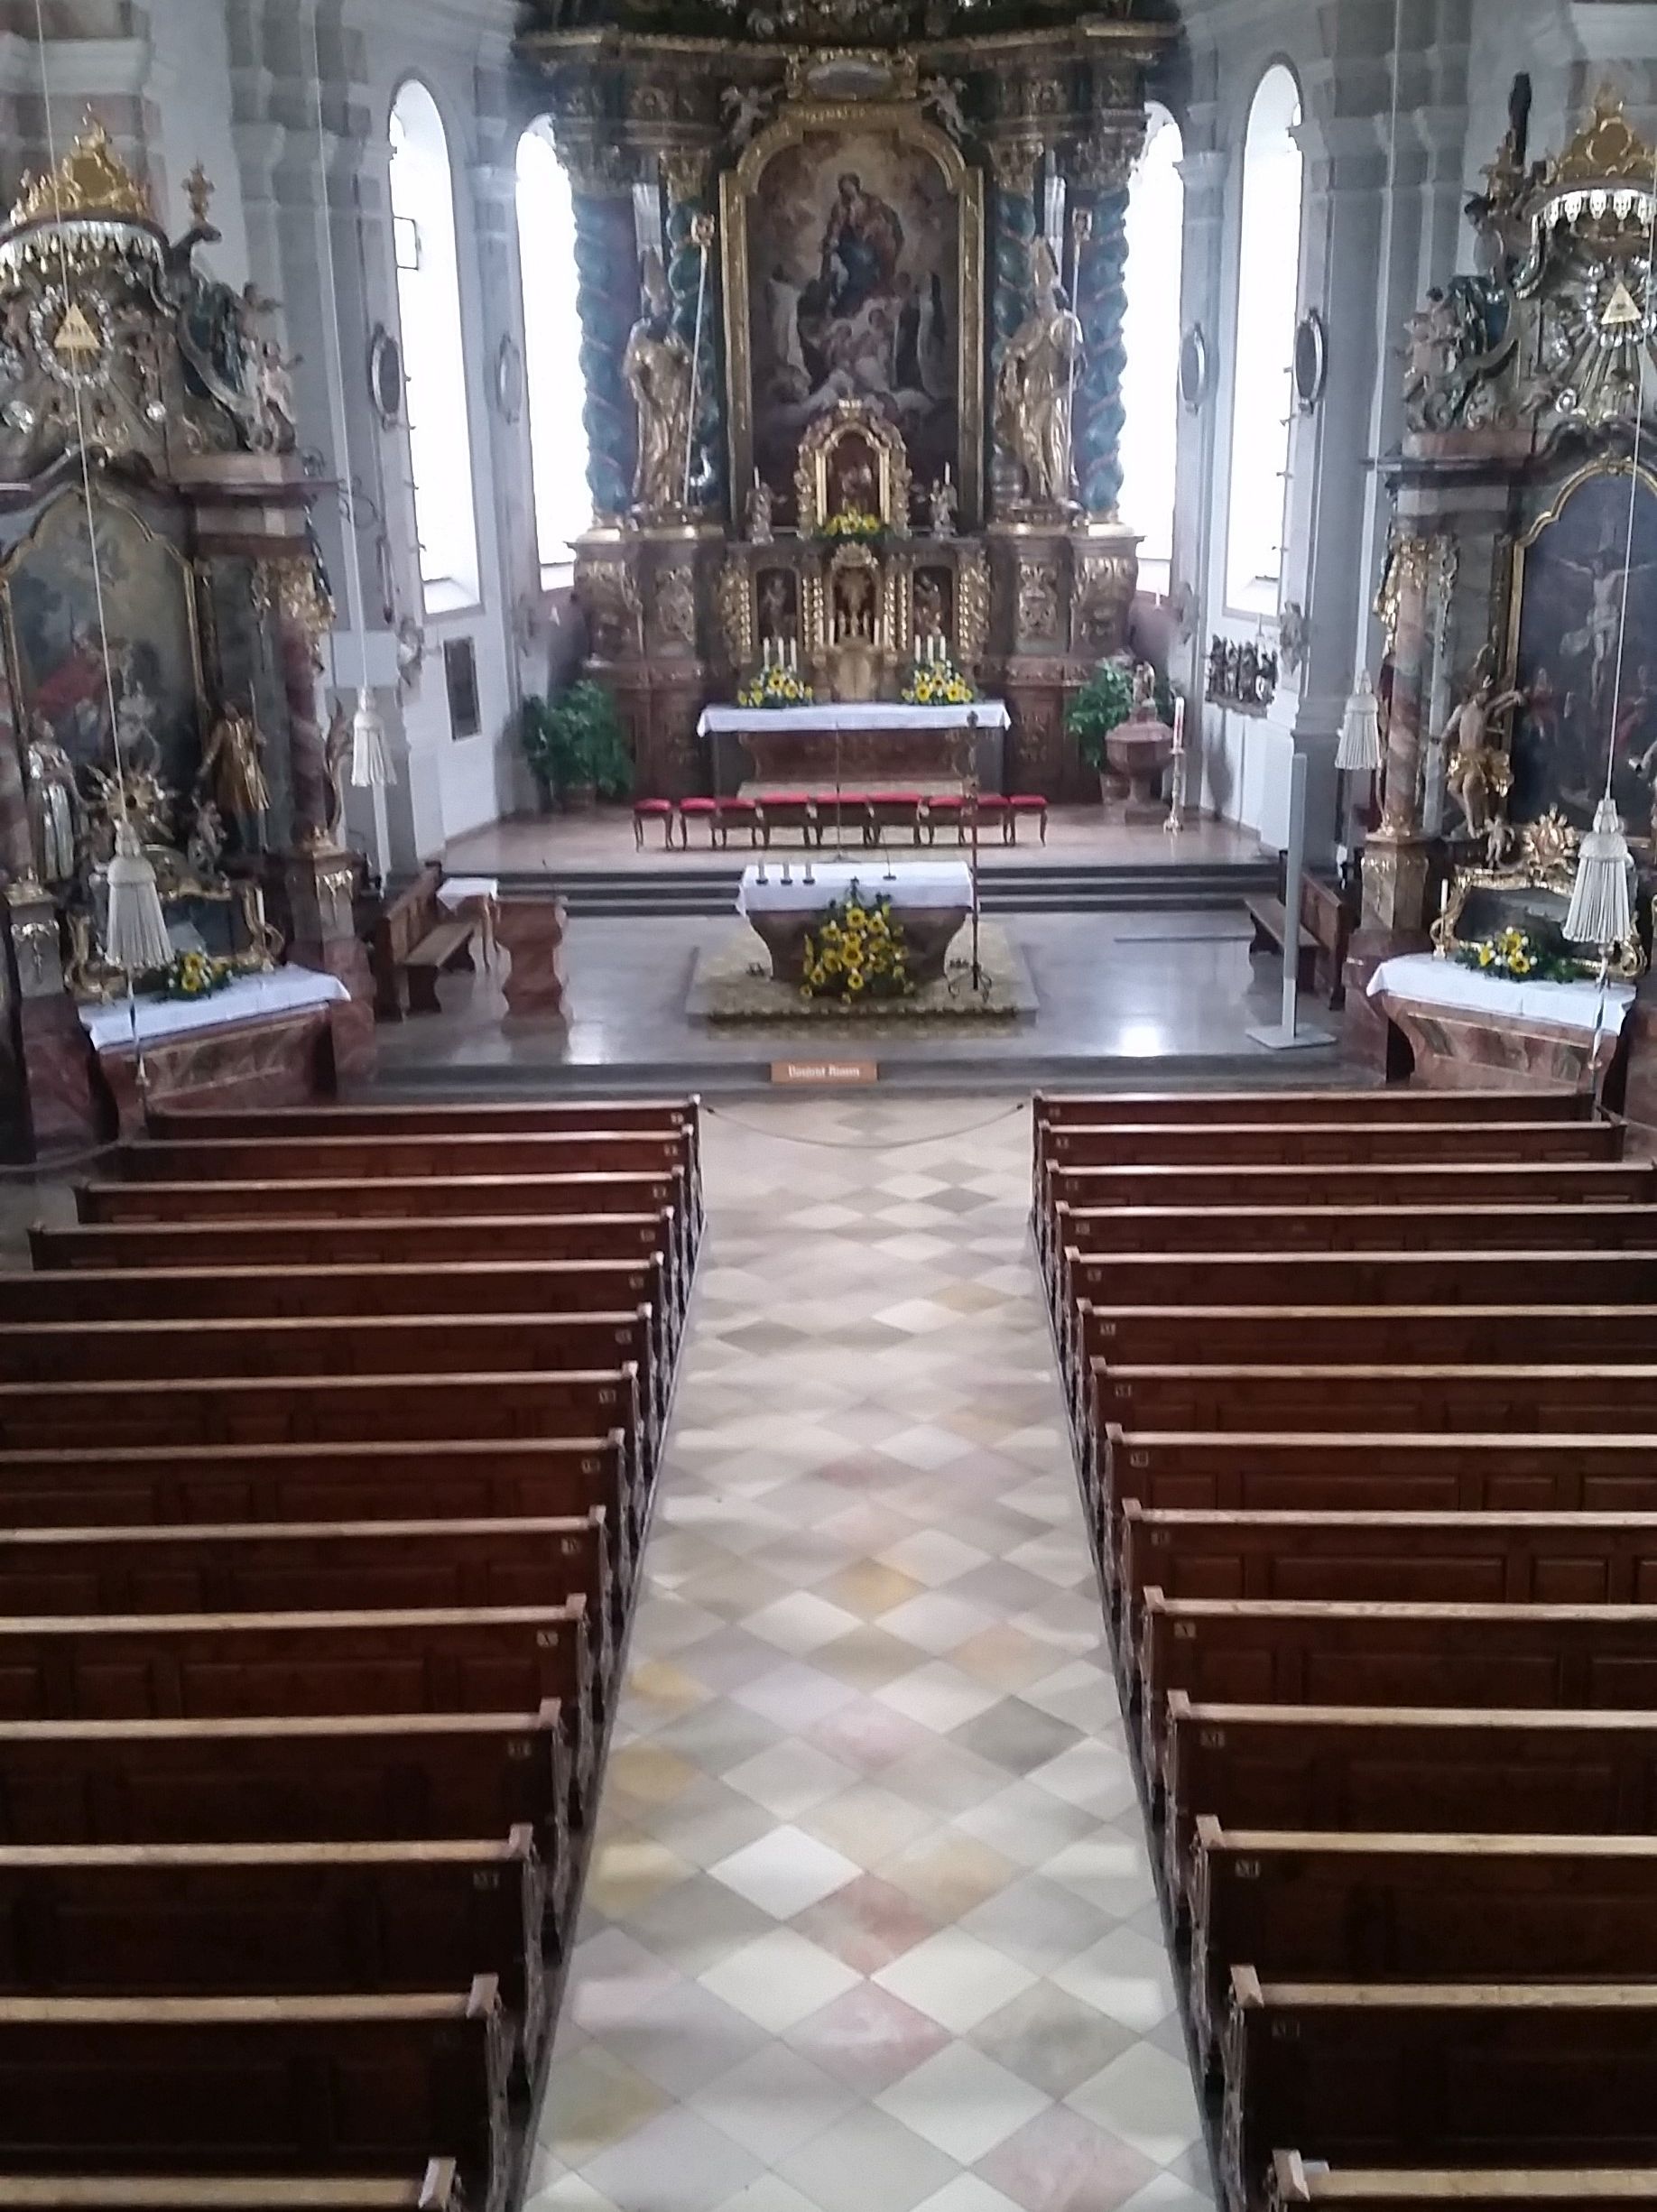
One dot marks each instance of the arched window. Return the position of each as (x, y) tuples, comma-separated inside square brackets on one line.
[(552, 352), (1151, 334), (1268, 302), (422, 203)]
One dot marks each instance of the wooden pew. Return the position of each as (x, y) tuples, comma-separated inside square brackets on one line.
[(371, 1156), (1295, 2182), (434, 2189), (533, 1239), (319, 1566), (1325, 1651), (1436, 2074), (346, 1199), (269, 1919), (1330, 1227), (1348, 1768), (1285, 1143), (1407, 1908), (172, 1485), (1544, 1277), (1056, 1110), (282, 2084), (1437, 1558), (294, 1778), (1329, 1398)]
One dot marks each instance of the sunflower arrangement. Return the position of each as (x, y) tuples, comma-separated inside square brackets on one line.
[(775, 686), (1517, 956), (858, 952), (853, 523), (937, 683), (194, 975)]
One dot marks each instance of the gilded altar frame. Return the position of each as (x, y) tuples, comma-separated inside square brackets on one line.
[(1545, 865), (1605, 465), (900, 116)]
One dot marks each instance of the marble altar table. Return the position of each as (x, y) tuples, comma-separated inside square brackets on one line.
[(930, 900), (796, 748), (1469, 1031)]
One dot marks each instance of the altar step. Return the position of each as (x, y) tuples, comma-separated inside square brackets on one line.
[(1008, 888)]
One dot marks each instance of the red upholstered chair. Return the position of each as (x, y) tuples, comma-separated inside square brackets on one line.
[(737, 814), (653, 811), (1026, 804), (894, 810), (697, 810), (850, 810), (787, 810), (941, 811), (993, 815)]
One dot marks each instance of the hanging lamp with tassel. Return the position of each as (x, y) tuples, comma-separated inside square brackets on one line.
[(135, 930), (1360, 750), (371, 761), (1601, 910)]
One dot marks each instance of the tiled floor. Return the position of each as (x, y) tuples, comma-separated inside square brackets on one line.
[(870, 1923)]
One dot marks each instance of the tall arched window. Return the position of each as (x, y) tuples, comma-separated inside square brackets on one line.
[(1268, 302), (1151, 334), (552, 352), (422, 202)]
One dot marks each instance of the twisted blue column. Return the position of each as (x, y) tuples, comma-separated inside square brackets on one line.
[(686, 205), (1101, 305), (1014, 232), (606, 301)]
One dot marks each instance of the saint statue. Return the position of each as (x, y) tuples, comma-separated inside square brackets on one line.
[(1480, 774), (232, 770), (943, 503), (1034, 385), (336, 753), (660, 373), (51, 803)]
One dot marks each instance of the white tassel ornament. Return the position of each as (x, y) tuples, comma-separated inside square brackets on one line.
[(135, 935), (371, 761), (1360, 750), (1601, 913)]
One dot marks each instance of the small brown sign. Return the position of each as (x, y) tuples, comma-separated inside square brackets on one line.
[(826, 1074)]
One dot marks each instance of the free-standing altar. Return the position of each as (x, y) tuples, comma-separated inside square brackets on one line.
[(875, 746)]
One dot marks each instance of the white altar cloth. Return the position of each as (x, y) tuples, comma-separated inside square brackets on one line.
[(989, 714), (947, 883), (286, 990), (1431, 981), (457, 890)]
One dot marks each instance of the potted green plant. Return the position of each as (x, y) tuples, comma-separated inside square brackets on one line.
[(574, 745), (1104, 703)]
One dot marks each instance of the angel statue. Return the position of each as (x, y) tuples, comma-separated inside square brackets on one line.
[(1034, 385), (1480, 774), (660, 372)]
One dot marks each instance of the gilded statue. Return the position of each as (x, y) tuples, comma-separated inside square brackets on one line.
[(232, 770), (660, 373), (336, 752), (1035, 386), (51, 803), (1480, 774)]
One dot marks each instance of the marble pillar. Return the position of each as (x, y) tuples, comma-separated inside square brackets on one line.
[(1097, 194), (693, 281), (607, 304), (1013, 231)]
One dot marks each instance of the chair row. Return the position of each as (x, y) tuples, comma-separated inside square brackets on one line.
[(868, 816)]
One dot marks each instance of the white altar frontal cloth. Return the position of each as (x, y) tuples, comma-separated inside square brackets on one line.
[(457, 890), (1584, 1007), (286, 990), (989, 714), (944, 884)]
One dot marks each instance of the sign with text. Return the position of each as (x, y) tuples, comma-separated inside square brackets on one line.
[(825, 1074)]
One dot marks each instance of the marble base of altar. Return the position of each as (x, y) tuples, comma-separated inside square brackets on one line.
[(811, 747), (531, 932), (1468, 1031), (930, 902)]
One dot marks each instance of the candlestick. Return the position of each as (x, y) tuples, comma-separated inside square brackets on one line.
[(1179, 722)]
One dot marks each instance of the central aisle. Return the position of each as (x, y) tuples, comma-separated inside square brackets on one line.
[(870, 1924)]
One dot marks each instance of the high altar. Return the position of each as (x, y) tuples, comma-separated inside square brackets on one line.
[(867, 406)]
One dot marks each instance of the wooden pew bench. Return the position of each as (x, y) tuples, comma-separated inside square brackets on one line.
[(1330, 1227), (1436, 2074), (212, 1485), (415, 941), (1314, 1143), (1407, 1908), (1351, 1768), (1338, 1397), (295, 1778), (1543, 1277), (319, 1567), (1295, 2182), (269, 1919), (1325, 1651), (436, 2188), (1051, 1111), (373, 1157), (189, 1666), (280, 2083), (1322, 938)]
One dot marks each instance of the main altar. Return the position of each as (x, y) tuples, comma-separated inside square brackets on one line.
[(865, 414)]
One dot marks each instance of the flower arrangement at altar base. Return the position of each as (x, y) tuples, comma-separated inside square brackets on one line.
[(937, 681), (1516, 957), (194, 975), (775, 685), (854, 522), (858, 951)]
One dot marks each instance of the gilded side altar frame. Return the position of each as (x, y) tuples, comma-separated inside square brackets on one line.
[(1606, 465), (1546, 861), (901, 118)]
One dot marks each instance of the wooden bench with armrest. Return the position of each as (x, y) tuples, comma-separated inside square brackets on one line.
[(433, 2187), (1549, 2074), (1325, 933), (1304, 1907), (288, 1919), (415, 941), (282, 2084), (1351, 1769), (1294, 2183)]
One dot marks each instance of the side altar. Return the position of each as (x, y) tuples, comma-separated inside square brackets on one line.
[(865, 415)]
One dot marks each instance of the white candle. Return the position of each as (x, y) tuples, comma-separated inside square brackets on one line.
[(1179, 721), (947, 478)]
